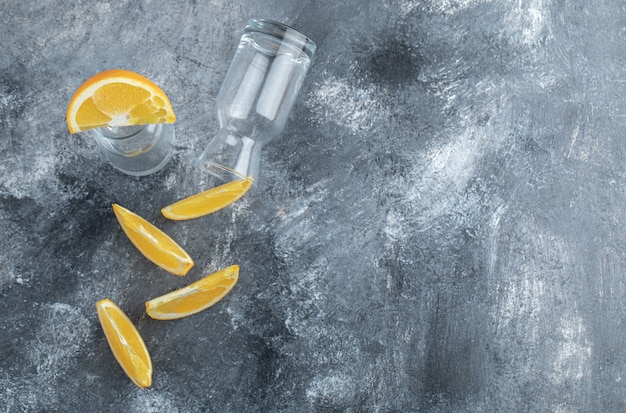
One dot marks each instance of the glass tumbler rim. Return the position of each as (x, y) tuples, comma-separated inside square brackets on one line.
[(283, 31), (121, 132)]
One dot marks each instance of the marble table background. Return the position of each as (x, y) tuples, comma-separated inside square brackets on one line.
[(439, 229)]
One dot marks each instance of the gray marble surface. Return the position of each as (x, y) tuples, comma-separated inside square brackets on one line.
[(439, 229)]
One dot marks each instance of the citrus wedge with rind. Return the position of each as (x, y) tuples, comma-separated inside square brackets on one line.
[(195, 297), (118, 97), (125, 342), (153, 243), (209, 201)]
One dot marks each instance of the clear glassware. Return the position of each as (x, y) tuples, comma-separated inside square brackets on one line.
[(137, 150), (256, 97)]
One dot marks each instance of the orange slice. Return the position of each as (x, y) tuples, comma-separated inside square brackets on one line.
[(153, 243), (117, 98), (209, 201), (126, 344), (195, 297)]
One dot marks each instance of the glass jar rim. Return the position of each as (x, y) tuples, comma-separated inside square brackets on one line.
[(282, 31)]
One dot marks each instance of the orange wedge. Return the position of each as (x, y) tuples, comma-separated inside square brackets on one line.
[(209, 201), (153, 243), (117, 98), (125, 342), (195, 297)]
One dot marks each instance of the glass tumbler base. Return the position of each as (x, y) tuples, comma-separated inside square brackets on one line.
[(137, 150)]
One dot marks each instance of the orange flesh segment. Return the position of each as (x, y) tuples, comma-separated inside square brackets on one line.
[(153, 243), (118, 98), (209, 201), (125, 342), (195, 297)]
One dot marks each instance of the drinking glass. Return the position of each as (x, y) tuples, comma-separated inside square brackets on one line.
[(137, 150), (256, 97)]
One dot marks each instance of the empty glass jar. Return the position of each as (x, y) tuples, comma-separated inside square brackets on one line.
[(256, 97)]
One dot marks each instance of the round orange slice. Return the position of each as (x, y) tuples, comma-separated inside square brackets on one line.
[(153, 243), (195, 297), (118, 98), (126, 343), (209, 201)]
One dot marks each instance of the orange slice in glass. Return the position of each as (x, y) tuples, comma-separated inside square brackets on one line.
[(126, 343), (209, 201), (195, 297), (118, 98), (153, 243)]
